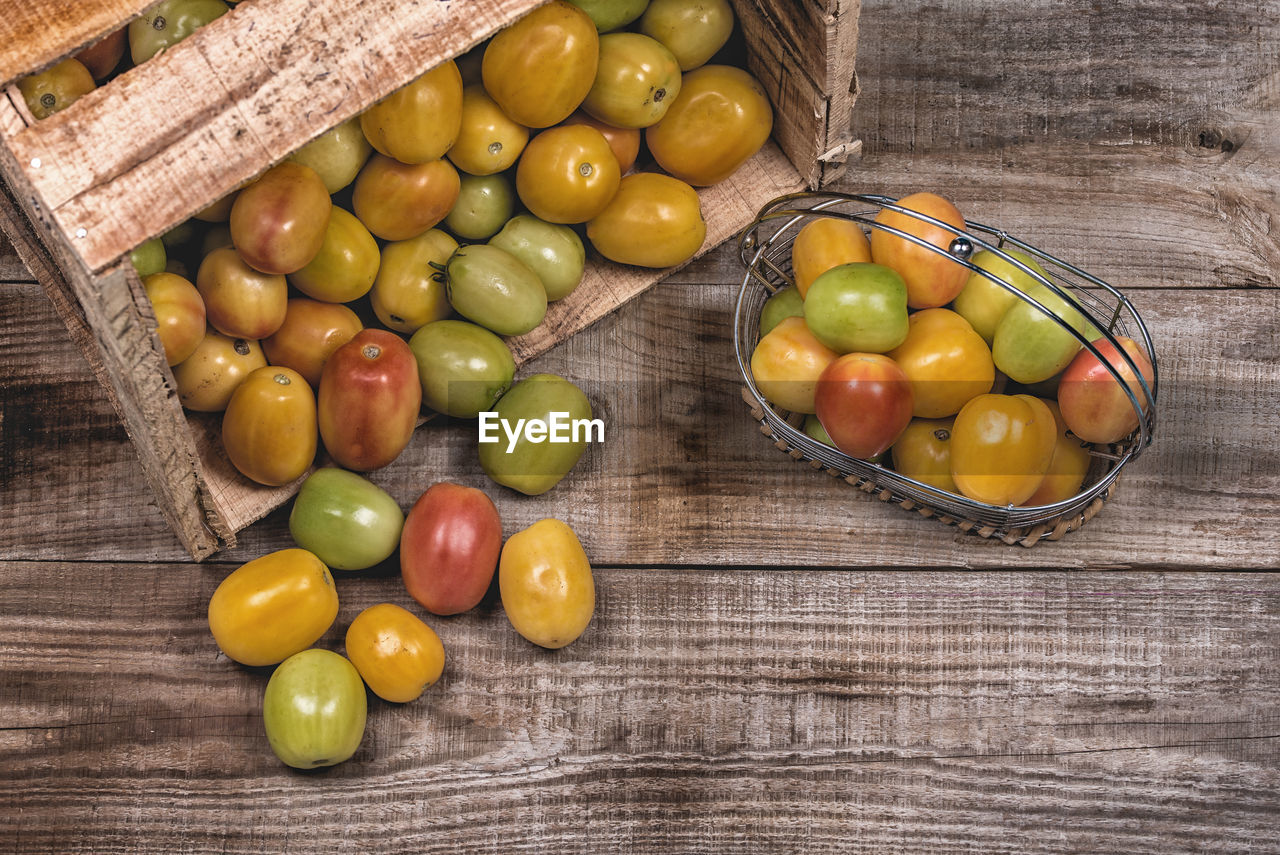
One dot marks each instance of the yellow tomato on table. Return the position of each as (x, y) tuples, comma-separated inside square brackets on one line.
[(395, 652), (547, 588)]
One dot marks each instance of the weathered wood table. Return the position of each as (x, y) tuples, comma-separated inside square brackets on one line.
[(776, 665)]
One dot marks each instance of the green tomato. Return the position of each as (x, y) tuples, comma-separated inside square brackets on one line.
[(526, 463), (337, 155), (464, 369), (346, 520), (611, 14), (785, 303), (496, 290), (167, 23), (693, 31), (485, 203), (149, 258), (858, 307), (553, 251), (982, 302), (314, 709), (1029, 345), (814, 429)]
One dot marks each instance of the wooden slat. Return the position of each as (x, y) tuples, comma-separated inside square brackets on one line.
[(700, 712), (132, 159), (36, 35)]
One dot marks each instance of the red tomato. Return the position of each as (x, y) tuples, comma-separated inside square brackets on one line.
[(368, 400), (933, 279), (449, 548), (1094, 404), (864, 403)]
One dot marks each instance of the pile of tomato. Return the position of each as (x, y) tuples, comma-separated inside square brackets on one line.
[(900, 355), (378, 271)]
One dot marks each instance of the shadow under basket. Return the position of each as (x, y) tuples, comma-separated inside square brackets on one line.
[(765, 249)]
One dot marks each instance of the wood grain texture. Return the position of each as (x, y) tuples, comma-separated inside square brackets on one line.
[(705, 712), (36, 35), (220, 107)]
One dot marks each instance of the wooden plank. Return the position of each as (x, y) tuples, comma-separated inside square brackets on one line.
[(701, 712), (218, 108), (34, 36), (684, 472)]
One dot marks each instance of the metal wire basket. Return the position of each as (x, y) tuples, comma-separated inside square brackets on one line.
[(765, 249)]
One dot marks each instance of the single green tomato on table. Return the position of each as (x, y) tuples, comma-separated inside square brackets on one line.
[(858, 307), (525, 462), (314, 709), (346, 520)]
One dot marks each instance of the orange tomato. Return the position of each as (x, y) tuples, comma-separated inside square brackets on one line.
[(398, 201), (179, 311), (418, 122), (624, 142), (1001, 448), (1067, 469), (947, 362), (269, 427), (720, 119), (824, 243), (653, 220), (278, 222), (489, 140), (312, 330), (787, 363), (397, 654), (540, 68), (932, 279), (567, 174)]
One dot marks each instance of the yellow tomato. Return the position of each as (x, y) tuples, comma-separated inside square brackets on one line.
[(269, 429), (545, 580), (923, 452), (653, 220), (273, 607), (1067, 469), (720, 119), (824, 243), (933, 278), (346, 265), (567, 174), (207, 377), (397, 201), (57, 88), (395, 652), (311, 331), (240, 301), (540, 68), (947, 362), (786, 364), (179, 311), (489, 140), (1001, 448), (418, 122), (409, 292)]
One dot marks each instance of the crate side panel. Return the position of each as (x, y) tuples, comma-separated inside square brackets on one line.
[(134, 158), (37, 33)]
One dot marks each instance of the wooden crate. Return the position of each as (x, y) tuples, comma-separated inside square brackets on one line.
[(144, 152)]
